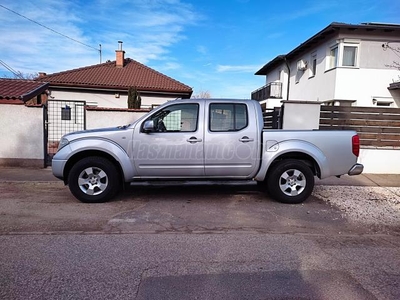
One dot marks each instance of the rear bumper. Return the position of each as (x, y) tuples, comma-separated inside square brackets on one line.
[(356, 169)]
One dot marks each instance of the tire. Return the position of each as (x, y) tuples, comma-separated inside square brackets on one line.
[(262, 186), (290, 181), (93, 179)]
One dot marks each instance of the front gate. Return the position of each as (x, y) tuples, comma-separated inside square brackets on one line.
[(61, 117)]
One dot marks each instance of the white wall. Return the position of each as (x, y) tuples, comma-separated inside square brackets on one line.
[(308, 119), (105, 100), (101, 119), (380, 161), (364, 85), (271, 103), (374, 56), (319, 87), (21, 133), (22, 137)]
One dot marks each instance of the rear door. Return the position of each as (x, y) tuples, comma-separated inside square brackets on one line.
[(231, 140)]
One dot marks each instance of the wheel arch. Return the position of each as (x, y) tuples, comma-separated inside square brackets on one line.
[(81, 148), (86, 153), (293, 149), (304, 157)]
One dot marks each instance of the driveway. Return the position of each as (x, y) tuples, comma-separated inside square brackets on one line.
[(33, 201)]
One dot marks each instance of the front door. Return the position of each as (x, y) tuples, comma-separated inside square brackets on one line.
[(232, 141), (175, 147)]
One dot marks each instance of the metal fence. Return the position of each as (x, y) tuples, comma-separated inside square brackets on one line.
[(61, 117)]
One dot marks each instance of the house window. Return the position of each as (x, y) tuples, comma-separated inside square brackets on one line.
[(333, 57), (343, 54), (66, 113), (384, 104), (313, 66), (349, 56)]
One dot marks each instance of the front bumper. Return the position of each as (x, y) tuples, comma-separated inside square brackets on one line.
[(57, 167), (357, 169)]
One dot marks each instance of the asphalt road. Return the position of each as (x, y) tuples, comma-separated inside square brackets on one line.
[(199, 266), (187, 242)]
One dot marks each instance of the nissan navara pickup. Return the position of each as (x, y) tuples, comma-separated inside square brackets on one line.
[(203, 139)]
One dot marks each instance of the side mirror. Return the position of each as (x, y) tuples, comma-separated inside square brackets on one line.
[(148, 126)]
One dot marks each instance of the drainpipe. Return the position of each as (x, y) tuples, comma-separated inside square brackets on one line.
[(288, 83)]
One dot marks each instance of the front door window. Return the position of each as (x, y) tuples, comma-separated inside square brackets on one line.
[(177, 118)]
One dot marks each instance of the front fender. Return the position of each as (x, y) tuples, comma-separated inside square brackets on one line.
[(273, 150), (76, 147)]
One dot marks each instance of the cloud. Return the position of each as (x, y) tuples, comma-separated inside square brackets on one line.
[(304, 11), (168, 66), (148, 29), (202, 50), (237, 69), (274, 35)]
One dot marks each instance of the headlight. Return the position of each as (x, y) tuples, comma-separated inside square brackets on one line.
[(63, 142)]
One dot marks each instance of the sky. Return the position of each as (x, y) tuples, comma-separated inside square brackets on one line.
[(213, 46)]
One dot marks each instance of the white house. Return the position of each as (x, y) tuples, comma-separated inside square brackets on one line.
[(343, 64)]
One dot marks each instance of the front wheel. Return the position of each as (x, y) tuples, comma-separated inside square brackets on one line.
[(290, 181), (93, 180)]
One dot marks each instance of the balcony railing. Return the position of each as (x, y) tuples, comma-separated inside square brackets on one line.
[(271, 90)]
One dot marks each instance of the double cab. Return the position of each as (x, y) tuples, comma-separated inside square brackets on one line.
[(204, 139)]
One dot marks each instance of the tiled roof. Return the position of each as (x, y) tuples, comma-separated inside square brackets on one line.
[(108, 76), (20, 89)]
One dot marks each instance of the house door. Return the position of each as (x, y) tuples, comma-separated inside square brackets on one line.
[(61, 117)]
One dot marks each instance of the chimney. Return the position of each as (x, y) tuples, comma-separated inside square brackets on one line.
[(42, 74), (120, 56)]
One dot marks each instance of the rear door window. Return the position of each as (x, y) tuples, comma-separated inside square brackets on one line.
[(228, 117)]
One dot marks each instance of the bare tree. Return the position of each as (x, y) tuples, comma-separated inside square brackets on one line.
[(202, 95), (20, 75), (395, 64)]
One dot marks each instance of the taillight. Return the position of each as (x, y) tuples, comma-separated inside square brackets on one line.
[(356, 145)]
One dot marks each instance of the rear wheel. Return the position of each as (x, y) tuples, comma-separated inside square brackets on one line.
[(93, 180), (290, 181)]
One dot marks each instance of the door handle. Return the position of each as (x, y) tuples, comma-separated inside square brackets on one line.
[(246, 139), (193, 140)]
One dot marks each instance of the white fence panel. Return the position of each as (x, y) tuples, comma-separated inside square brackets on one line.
[(21, 135)]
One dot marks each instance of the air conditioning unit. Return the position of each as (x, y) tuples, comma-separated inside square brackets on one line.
[(301, 65)]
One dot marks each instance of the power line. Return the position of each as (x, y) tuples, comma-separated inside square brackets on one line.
[(48, 28), (16, 73)]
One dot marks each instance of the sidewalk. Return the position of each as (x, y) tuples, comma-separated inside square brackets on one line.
[(26, 174), (389, 180)]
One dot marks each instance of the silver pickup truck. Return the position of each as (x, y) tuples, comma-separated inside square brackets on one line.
[(203, 139)]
